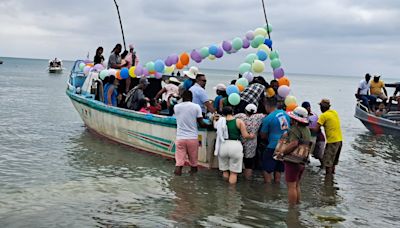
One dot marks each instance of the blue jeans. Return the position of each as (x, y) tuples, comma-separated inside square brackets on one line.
[(365, 99)]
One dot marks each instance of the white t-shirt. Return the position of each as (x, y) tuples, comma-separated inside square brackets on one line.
[(186, 114), (364, 87)]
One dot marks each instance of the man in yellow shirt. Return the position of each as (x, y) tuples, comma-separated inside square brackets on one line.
[(376, 88), (329, 119)]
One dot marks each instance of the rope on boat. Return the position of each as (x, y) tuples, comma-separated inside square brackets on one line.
[(120, 23), (266, 20)]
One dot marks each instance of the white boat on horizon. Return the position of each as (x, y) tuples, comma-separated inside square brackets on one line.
[(55, 66)]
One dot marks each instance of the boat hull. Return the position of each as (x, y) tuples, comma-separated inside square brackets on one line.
[(55, 69), (377, 125), (151, 133)]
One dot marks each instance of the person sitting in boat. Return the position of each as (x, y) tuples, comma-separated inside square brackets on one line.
[(378, 88), (154, 107), (381, 110), (221, 94), (395, 98), (143, 106), (114, 61), (136, 94), (200, 96), (170, 90), (98, 58), (111, 96), (363, 93)]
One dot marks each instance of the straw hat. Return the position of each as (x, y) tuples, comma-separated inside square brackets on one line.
[(300, 114), (174, 80), (192, 72)]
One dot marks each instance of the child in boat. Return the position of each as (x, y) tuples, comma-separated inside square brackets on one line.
[(381, 110), (144, 106), (154, 107)]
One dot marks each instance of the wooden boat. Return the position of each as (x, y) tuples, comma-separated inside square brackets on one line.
[(55, 66), (147, 132)]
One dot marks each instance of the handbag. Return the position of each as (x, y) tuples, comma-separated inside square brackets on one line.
[(299, 155)]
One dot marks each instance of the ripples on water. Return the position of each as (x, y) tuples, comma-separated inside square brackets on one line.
[(54, 173)]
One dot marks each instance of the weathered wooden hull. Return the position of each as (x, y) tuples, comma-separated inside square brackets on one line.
[(151, 133), (377, 125)]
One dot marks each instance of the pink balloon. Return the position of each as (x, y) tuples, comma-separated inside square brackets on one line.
[(138, 70), (246, 43), (283, 91), (278, 73)]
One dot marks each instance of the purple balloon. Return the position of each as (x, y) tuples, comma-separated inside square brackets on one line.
[(283, 90), (278, 73), (158, 75), (246, 43), (86, 61), (138, 70), (174, 58), (220, 53), (146, 72), (226, 45), (168, 61), (195, 55), (98, 67), (250, 35), (249, 76)]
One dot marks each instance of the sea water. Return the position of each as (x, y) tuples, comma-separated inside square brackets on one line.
[(54, 173)]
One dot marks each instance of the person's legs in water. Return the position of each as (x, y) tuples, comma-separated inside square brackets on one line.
[(193, 148), (292, 193), (233, 178), (180, 155)]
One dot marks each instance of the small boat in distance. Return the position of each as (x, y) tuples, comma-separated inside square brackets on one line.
[(55, 66)]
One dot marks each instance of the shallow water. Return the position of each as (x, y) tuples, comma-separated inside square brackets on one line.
[(54, 173)]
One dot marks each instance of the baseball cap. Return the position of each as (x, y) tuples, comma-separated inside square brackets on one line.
[(144, 81)]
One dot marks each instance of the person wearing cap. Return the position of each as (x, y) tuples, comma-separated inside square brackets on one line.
[(298, 134), (378, 89), (252, 121), (274, 125), (200, 96), (221, 93), (329, 119), (317, 138), (136, 94), (363, 93), (170, 90)]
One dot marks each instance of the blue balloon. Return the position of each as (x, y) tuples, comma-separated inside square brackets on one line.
[(262, 55), (213, 50), (268, 42), (232, 89), (159, 66), (187, 84), (124, 73)]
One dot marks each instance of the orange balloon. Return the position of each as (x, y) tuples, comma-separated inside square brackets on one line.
[(89, 64), (284, 81), (118, 74), (184, 59), (152, 72), (179, 65), (291, 107), (240, 87)]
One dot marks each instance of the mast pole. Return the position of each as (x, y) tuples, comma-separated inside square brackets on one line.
[(120, 23), (266, 19)]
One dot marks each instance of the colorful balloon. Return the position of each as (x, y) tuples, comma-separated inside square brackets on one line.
[(118, 74), (240, 87), (169, 70), (284, 81), (204, 52), (112, 72), (268, 27), (103, 74), (283, 91), (195, 55), (244, 67), (138, 70), (250, 35), (260, 31), (258, 40), (145, 72), (158, 75), (213, 49), (250, 58), (234, 99), (290, 100), (278, 73), (231, 89), (150, 66), (242, 81), (275, 63), (220, 53), (246, 43), (249, 76), (81, 66), (179, 65), (174, 59), (262, 55), (184, 58), (226, 45), (274, 55), (159, 66), (291, 107), (98, 67), (258, 66), (237, 43), (124, 73), (264, 48), (86, 69), (211, 57), (268, 42), (132, 72)]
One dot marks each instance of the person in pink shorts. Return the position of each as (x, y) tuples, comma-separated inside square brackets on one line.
[(187, 114)]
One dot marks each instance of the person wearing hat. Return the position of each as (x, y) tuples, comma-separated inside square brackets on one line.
[(378, 89), (200, 96), (136, 94), (221, 93), (298, 134), (274, 125), (329, 119), (252, 121), (170, 90), (363, 93)]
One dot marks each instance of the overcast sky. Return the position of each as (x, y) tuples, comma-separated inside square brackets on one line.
[(337, 37)]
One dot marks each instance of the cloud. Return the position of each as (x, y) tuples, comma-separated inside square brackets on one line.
[(331, 37)]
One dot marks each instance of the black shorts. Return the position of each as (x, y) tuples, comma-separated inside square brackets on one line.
[(249, 163)]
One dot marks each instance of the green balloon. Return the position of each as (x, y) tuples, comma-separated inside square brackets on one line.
[(268, 28), (258, 40), (250, 58), (242, 81), (275, 63), (258, 66), (204, 52), (81, 66), (103, 74), (273, 55), (237, 43), (150, 66), (234, 99), (244, 67)]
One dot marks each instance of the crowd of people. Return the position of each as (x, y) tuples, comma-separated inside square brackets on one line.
[(255, 134)]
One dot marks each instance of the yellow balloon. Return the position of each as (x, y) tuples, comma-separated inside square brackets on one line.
[(290, 100), (258, 66), (260, 31), (132, 72), (169, 69), (270, 92), (211, 57), (264, 48)]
